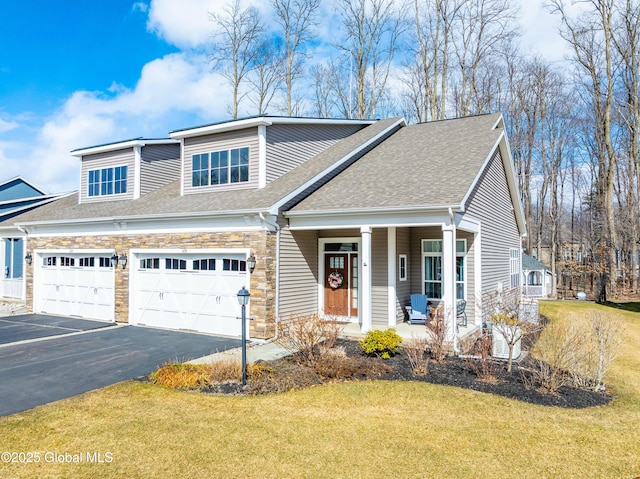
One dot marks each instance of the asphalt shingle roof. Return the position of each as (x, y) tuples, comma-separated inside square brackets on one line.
[(425, 165), (168, 201)]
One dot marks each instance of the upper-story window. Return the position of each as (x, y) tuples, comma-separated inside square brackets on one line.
[(108, 181), (220, 167)]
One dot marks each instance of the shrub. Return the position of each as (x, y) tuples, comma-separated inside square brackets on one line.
[(478, 356), (382, 344), (301, 335), (436, 335), (335, 364), (182, 376), (416, 349)]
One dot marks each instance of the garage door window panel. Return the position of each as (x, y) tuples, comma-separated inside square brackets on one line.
[(150, 263), (67, 261), (174, 263), (234, 265), (204, 264)]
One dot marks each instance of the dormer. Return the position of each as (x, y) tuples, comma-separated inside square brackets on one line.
[(251, 152), (127, 169)]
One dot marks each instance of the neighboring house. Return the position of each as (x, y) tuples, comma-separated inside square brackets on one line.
[(537, 280), (382, 209), (17, 196)]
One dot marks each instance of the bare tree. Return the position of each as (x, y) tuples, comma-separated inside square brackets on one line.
[(591, 37), (297, 19), (371, 29), (266, 77), (237, 36)]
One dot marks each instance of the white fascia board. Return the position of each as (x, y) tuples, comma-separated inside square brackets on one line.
[(30, 198), (121, 146), (380, 220), (220, 128), (175, 226), (46, 200), (275, 208)]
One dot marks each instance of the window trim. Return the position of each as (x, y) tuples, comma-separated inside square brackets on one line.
[(232, 167), (459, 254), (403, 272), (515, 267), (96, 188)]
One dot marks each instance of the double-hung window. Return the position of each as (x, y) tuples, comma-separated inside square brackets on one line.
[(220, 167), (514, 266), (432, 268), (107, 181)]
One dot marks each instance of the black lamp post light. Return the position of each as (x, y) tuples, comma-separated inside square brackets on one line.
[(243, 299)]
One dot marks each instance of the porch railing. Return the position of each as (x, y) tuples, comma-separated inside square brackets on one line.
[(11, 288), (534, 291)]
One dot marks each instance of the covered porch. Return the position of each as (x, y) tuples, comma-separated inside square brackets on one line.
[(365, 275)]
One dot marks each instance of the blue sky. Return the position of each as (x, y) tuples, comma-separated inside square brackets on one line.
[(76, 73)]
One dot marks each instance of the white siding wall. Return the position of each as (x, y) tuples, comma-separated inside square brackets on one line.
[(221, 141), (106, 160)]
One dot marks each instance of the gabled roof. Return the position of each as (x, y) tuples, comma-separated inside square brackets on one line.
[(16, 181), (166, 202), (430, 165)]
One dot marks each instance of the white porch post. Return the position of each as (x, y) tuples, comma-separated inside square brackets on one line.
[(477, 273), (392, 274), (365, 287), (449, 278)]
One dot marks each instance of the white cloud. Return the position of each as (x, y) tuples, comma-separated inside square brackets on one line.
[(7, 125), (187, 23), (175, 86), (140, 7)]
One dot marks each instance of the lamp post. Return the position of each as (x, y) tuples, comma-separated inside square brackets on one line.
[(243, 299)]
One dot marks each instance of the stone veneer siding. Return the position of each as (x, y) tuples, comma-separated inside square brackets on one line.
[(261, 243)]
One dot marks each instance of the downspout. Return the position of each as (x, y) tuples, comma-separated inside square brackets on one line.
[(24, 278), (277, 292), (456, 348)]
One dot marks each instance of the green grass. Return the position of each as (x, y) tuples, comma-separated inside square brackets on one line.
[(347, 430)]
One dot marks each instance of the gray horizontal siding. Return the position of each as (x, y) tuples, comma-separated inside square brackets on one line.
[(403, 288), (298, 273), (217, 142), (160, 165), (379, 277), (291, 145), (106, 160), (490, 202)]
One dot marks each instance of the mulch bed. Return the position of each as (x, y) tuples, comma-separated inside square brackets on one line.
[(287, 374)]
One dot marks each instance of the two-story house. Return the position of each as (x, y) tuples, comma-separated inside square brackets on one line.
[(344, 218)]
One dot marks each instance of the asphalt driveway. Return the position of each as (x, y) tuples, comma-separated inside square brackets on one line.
[(36, 370)]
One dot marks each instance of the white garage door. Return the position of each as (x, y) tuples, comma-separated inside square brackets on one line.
[(75, 285), (196, 292)]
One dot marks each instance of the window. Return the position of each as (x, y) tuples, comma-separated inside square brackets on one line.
[(234, 265), (402, 267), (150, 263), (13, 257), (514, 266), (173, 263), (49, 261), (432, 272), (104, 262), (88, 262), (66, 261), (107, 181), (204, 264), (220, 167)]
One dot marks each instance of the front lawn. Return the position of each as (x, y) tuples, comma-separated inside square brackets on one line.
[(359, 429)]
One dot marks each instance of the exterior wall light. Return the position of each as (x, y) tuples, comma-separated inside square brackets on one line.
[(122, 259), (251, 262), (114, 260), (28, 258)]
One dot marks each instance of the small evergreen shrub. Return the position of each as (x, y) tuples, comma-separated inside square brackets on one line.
[(382, 344)]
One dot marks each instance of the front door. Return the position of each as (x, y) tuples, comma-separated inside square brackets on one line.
[(341, 284)]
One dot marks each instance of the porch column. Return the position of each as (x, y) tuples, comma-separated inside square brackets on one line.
[(365, 278), (449, 278), (392, 274)]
